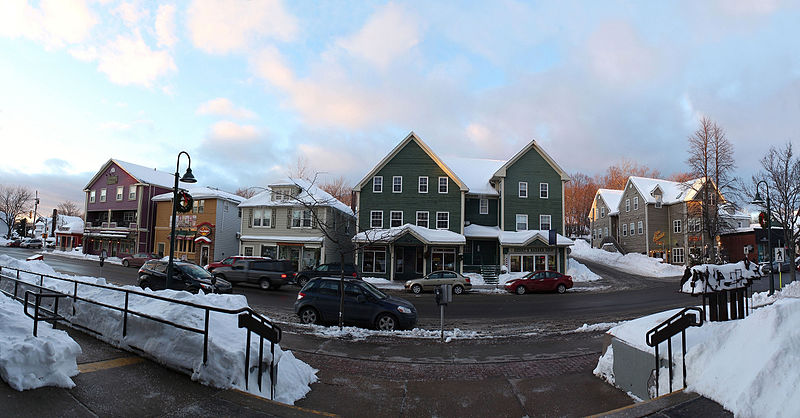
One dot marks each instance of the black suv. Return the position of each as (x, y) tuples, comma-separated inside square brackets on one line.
[(185, 276), (364, 305), (268, 274), (326, 270)]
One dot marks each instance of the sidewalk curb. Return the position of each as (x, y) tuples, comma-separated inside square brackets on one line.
[(651, 406)]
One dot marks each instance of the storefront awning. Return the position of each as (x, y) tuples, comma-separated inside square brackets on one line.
[(425, 235), (274, 239), (515, 238), (202, 239)]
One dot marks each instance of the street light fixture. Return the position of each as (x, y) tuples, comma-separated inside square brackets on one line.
[(757, 200), (187, 178)]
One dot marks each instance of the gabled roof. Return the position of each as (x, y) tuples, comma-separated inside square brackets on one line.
[(612, 198), (142, 174), (476, 173), (310, 194), (673, 192), (412, 137), (425, 235), (514, 238), (202, 192), (501, 172)]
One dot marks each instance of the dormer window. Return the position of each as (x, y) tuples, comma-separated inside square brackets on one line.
[(658, 201)]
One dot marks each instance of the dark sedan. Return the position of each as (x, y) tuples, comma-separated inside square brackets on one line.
[(540, 281), (138, 260), (326, 270), (186, 276)]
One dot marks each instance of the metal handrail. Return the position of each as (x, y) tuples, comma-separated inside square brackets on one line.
[(664, 331)]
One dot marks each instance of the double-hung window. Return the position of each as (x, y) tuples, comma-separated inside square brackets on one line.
[(523, 189), (627, 205), (522, 222), (544, 222), (377, 184), (443, 184), (131, 192), (262, 218), (636, 203), (120, 193), (374, 260), (484, 207), (396, 218), (639, 228), (102, 195), (423, 184), (602, 212), (422, 219), (301, 218), (633, 231), (676, 226), (677, 255), (624, 230), (397, 184), (442, 220), (376, 219), (92, 196), (544, 190), (605, 231)]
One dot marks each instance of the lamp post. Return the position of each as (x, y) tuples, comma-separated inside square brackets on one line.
[(187, 178), (758, 201)]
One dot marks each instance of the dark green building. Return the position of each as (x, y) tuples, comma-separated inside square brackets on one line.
[(419, 213)]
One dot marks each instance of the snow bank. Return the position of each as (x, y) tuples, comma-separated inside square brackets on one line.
[(633, 263), (28, 362), (173, 347), (581, 273), (78, 254), (382, 283), (712, 277), (358, 334)]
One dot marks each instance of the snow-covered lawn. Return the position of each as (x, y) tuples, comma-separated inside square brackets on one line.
[(749, 366), (633, 263), (28, 362), (581, 273), (171, 346)]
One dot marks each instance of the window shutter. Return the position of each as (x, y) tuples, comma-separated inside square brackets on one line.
[(289, 218), (314, 220), (272, 218), (250, 218)]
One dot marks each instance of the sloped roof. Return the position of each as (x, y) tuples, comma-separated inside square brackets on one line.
[(202, 192), (428, 236), (310, 195), (501, 172), (476, 173), (673, 192), (514, 238), (69, 224), (141, 173), (612, 198)]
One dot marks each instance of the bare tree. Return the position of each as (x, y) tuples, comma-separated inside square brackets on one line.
[(710, 158), (301, 170), (578, 196), (617, 175), (69, 208), (681, 177), (245, 192), (339, 189), (14, 200), (781, 172)]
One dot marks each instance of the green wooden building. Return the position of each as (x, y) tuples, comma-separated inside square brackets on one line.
[(419, 212)]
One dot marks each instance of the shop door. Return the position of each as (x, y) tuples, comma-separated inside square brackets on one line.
[(405, 264), (204, 255), (541, 262), (291, 253)]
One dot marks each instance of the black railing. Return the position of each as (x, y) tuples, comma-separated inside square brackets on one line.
[(669, 328), (41, 313), (257, 322)]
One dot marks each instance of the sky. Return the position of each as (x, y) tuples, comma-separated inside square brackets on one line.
[(249, 87)]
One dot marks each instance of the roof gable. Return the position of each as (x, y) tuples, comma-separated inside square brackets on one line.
[(142, 174), (532, 146), (611, 198), (412, 137)]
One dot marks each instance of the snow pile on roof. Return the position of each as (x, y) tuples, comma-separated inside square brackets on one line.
[(514, 238), (69, 224), (633, 263), (749, 366), (147, 175), (708, 278), (481, 231), (176, 348), (612, 198), (476, 173), (428, 236), (580, 273), (28, 362), (310, 195), (673, 192), (202, 192)]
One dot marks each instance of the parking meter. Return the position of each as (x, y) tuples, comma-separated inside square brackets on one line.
[(444, 295), (102, 257)]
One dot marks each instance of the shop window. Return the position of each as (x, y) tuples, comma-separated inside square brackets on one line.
[(374, 260), (443, 259)]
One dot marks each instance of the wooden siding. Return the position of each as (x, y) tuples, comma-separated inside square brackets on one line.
[(472, 212), (534, 169)]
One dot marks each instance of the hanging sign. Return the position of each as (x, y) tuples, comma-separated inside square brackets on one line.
[(185, 202)]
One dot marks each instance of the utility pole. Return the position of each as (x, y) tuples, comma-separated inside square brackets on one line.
[(35, 208)]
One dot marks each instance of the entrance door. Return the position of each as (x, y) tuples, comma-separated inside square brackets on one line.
[(405, 265), (541, 262), (204, 255), (291, 253)]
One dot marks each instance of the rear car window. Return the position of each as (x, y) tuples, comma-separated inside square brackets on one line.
[(328, 287), (261, 265)]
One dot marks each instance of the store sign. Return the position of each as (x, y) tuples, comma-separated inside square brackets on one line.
[(204, 231), (658, 237), (112, 179)]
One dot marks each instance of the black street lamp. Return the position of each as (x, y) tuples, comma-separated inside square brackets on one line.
[(187, 178), (758, 201)]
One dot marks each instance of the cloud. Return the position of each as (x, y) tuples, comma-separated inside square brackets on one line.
[(131, 13), (229, 131), (55, 23), (223, 26), (224, 107), (165, 26), (617, 54), (388, 35), (129, 60)]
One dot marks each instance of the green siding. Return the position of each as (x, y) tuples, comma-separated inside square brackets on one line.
[(472, 212), (534, 169), (411, 163)]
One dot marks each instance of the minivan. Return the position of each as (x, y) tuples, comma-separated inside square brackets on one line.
[(267, 274)]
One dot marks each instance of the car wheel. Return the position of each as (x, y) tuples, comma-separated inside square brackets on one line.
[(385, 322), (458, 290), (125, 263), (264, 284), (309, 316), (144, 284), (521, 290), (416, 289), (561, 288)]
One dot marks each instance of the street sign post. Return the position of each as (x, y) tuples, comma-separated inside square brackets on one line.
[(444, 295)]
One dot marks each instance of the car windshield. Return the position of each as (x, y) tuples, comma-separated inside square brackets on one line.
[(373, 291), (196, 272)]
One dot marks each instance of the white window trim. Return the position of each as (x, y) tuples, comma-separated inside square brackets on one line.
[(636, 203), (131, 192), (419, 184), (640, 227), (376, 188), (517, 222), (546, 190), (244, 250), (605, 231), (302, 212), (632, 229), (550, 221), (481, 210), (682, 255), (401, 184), (446, 185), (428, 220), (448, 220), (264, 218), (103, 195), (602, 212), (520, 188), (624, 230), (627, 205), (120, 193), (391, 217), (372, 219), (677, 227), (92, 196)]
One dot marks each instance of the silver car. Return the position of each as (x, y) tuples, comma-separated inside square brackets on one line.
[(460, 282)]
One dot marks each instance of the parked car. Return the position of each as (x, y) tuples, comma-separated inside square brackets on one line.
[(326, 270), (227, 262), (540, 281), (138, 259), (31, 243), (14, 243), (460, 282), (364, 305), (266, 273), (186, 276), (50, 242), (783, 267)]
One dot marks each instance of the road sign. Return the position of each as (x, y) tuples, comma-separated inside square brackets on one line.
[(780, 254)]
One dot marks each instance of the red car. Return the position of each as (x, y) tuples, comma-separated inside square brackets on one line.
[(540, 281), (228, 262), (138, 260)]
